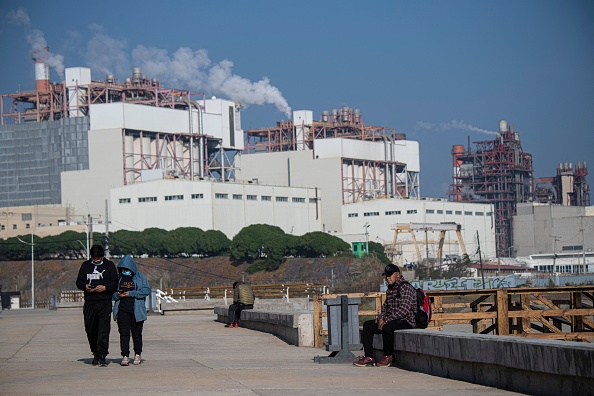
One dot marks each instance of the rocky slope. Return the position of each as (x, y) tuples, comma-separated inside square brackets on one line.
[(54, 276)]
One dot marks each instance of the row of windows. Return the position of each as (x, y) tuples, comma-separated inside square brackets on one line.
[(14, 226), (220, 196), (414, 211)]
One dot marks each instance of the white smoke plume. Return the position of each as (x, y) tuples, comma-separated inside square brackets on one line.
[(183, 68), (547, 186), (37, 41), (107, 54), (454, 124), (468, 193)]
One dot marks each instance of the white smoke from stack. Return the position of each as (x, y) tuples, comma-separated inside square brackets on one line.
[(37, 41), (193, 68), (468, 193), (454, 124), (107, 54)]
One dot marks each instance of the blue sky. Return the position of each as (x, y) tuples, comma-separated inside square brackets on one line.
[(435, 70)]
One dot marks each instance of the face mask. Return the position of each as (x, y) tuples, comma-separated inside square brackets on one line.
[(126, 273), (99, 263)]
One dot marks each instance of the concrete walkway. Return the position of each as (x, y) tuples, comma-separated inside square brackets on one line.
[(45, 352)]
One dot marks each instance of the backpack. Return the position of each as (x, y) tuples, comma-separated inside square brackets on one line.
[(424, 309)]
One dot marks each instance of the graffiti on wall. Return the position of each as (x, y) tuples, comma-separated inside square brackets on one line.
[(466, 283)]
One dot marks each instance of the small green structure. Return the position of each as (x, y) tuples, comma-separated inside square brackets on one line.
[(359, 249)]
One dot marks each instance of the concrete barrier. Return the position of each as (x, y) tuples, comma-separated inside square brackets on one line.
[(526, 365), (293, 326)]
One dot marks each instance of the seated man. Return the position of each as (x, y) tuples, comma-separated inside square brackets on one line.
[(243, 298), (398, 312)]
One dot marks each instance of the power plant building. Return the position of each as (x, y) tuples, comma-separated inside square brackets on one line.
[(169, 158)]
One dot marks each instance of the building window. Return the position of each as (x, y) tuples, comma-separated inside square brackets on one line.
[(439, 211), (367, 214), (14, 227), (27, 225), (221, 196), (282, 199), (467, 213), (2, 227), (251, 197), (124, 200), (458, 212), (411, 211), (147, 199), (26, 216), (448, 212), (197, 196), (478, 213), (174, 197), (392, 212), (237, 196), (430, 211), (313, 200), (489, 213), (353, 215), (266, 198), (299, 200)]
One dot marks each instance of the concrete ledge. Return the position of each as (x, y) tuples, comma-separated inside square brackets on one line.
[(294, 327), (526, 365), (70, 305), (190, 306)]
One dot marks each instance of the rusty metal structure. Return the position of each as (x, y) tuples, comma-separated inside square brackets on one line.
[(498, 172), (387, 178), (54, 101), (569, 187), (293, 136)]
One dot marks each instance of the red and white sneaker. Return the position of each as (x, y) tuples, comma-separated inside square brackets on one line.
[(385, 362), (364, 361)]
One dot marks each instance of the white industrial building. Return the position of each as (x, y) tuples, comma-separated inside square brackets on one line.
[(559, 238), (166, 158)]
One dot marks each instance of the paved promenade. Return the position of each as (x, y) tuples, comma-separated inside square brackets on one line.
[(45, 352)]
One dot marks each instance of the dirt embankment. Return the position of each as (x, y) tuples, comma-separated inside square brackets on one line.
[(54, 276)]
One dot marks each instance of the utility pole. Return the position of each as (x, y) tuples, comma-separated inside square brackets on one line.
[(32, 268), (555, 239), (106, 241), (478, 242), (427, 247)]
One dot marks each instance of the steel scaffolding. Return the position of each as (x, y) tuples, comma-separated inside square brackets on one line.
[(498, 172)]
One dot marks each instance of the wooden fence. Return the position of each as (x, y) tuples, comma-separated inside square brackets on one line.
[(564, 313)]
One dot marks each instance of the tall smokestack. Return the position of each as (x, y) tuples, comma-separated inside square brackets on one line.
[(42, 72)]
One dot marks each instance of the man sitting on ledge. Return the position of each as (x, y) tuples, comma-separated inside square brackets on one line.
[(398, 312), (243, 298)]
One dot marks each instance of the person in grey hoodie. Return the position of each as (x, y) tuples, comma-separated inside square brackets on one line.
[(129, 310)]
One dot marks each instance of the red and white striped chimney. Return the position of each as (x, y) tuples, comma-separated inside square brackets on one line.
[(42, 72)]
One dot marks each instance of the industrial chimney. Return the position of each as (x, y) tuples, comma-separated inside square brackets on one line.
[(42, 72)]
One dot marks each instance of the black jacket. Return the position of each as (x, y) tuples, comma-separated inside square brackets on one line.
[(105, 274)]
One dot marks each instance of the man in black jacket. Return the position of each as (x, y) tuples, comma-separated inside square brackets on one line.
[(98, 277)]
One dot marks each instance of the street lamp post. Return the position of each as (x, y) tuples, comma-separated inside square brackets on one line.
[(32, 269)]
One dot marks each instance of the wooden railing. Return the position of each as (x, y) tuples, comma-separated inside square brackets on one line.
[(564, 313), (277, 290)]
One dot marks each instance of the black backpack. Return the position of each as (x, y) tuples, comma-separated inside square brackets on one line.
[(424, 309)]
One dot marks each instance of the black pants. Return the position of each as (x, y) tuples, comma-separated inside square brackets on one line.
[(235, 311), (370, 328), (97, 316), (127, 325)]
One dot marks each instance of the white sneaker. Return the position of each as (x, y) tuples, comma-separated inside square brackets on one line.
[(137, 360), (125, 361)]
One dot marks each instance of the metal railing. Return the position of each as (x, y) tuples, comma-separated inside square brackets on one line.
[(278, 290)]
